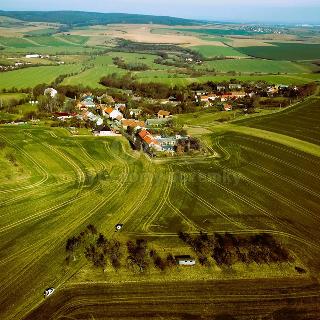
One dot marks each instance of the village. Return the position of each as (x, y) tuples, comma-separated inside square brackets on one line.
[(153, 124), (154, 135)]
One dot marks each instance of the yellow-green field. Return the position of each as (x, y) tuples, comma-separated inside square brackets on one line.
[(58, 183)]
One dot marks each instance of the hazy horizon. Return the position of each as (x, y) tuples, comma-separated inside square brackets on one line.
[(296, 11)]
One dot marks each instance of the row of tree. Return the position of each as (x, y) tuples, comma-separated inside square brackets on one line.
[(100, 251), (228, 249)]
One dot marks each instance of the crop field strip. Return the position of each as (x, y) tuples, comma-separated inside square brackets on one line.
[(301, 121), (150, 301), (190, 197)]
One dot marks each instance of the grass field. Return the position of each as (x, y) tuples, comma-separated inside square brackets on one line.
[(301, 122), (17, 42), (60, 183), (218, 51), (284, 51), (30, 77), (254, 66)]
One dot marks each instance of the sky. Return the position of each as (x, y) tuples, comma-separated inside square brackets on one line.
[(276, 11)]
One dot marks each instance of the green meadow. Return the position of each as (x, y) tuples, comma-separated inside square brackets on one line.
[(30, 77), (284, 51), (254, 66), (218, 51)]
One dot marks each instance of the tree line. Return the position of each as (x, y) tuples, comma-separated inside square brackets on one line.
[(100, 251), (228, 249)]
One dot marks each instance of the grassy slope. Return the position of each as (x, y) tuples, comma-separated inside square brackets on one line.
[(30, 77), (284, 51)]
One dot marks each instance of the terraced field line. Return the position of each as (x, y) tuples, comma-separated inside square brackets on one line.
[(211, 206)]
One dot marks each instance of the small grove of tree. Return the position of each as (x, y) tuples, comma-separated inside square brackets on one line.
[(75, 242), (159, 262), (137, 254), (187, 145), (103, 250), (49, 104), (228, 249), (120, 62)]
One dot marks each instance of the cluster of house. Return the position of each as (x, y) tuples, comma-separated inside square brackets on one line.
[(223, 94), (16, 65), (274, 90), (158, 143), (87, 109), (21, 64), (191, 60), (37, 56)]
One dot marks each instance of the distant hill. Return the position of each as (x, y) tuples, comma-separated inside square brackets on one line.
[(80, 18)]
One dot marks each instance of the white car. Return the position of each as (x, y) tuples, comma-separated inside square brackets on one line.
[(48, 292)]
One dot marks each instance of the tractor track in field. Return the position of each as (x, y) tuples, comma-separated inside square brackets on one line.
[(80, 221), (287, 179), (66, 230), (161, 204), (287, 164), (37, 192), (271, 193), (289, 134), (40, 169), (282, 148), (211, 206)]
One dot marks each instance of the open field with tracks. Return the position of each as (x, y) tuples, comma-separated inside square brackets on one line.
[(301, 122), (59, 183), (259, 173)]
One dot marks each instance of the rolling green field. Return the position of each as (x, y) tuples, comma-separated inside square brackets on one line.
[(30, 77), (284, 51), (301, 122), (59, 183), (254, 66), (17, 42), (218, 51)]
